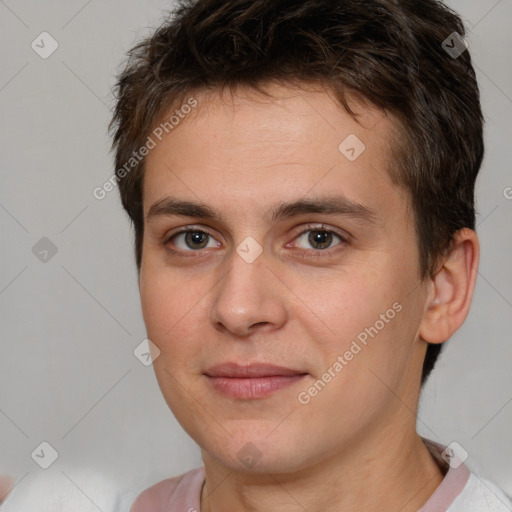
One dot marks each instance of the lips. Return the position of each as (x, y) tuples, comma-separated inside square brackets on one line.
[(251, 381), (254, 370)]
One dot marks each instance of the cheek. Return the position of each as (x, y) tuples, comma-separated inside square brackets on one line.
[(167, 302), (367, 318), (343, 305), (155, 301)]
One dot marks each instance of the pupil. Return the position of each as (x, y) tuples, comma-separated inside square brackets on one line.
[(194, 238), (319, 237)]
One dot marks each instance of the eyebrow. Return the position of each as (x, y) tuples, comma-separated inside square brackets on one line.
[(328, 205)]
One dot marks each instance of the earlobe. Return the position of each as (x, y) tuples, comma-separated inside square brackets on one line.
[(452, 289)]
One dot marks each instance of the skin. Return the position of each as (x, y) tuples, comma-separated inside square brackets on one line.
[(356, 439), (6, 486)]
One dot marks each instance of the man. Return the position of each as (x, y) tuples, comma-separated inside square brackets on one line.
[(300, 176)]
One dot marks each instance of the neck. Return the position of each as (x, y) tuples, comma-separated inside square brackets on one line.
[(394, 472)]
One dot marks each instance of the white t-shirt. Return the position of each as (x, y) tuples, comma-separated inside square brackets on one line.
[(71, 490), (480, 495)]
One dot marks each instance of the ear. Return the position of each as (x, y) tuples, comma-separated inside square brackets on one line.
[(452, 288)]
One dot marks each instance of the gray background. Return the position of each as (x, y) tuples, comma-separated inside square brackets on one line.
[(68, 374)]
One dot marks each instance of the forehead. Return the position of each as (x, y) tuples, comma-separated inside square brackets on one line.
[(252, 147)]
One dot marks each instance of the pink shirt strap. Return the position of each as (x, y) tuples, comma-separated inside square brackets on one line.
[(181, 494), (452, 485)]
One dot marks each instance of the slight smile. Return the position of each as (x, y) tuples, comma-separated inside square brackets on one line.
[(251, 381)]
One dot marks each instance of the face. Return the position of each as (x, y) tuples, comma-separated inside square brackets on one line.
[(303, 257)]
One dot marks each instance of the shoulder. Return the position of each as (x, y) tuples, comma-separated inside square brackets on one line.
[(153, 497), (55, 489), (180, 490), (479, 495)]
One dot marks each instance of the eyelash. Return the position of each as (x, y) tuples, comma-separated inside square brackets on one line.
[(312, 252)]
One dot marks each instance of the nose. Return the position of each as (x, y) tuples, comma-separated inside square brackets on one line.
[(250, 298)]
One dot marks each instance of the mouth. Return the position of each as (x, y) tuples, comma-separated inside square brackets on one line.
[(251, 381)]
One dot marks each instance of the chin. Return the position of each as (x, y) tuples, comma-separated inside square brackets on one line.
[(258, 454)]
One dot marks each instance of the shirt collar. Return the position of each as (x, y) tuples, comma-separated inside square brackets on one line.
[(454, 481)]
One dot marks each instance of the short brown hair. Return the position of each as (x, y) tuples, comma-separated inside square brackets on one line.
[(389, 52)]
